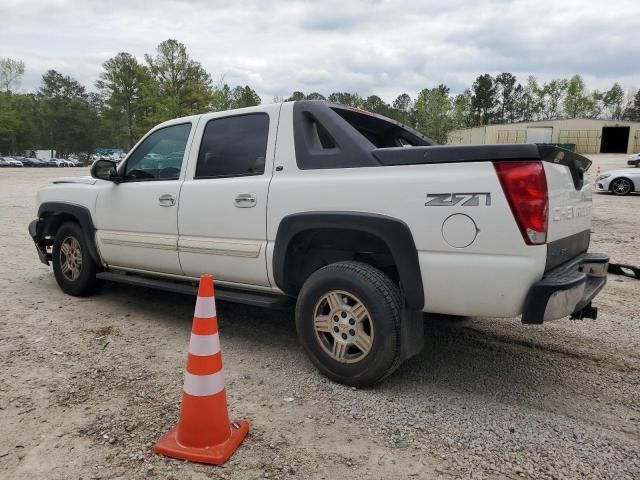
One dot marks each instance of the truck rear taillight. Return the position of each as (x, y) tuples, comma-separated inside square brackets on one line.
[(525, 186)]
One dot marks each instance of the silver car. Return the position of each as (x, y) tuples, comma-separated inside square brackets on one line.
[(13, 162), (619, 182), (634, 160)]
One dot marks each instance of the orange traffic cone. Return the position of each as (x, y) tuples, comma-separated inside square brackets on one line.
[(204, 433)]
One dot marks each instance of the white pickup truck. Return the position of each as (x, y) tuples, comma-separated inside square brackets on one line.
[(364, 221)]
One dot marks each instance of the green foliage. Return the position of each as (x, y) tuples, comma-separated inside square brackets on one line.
[(552, 93), (67, 118), (9, 123), (244, 97), (632, 112), (462, 115), (577, 103), (349, 99), (133, 97), (295, 97), (122, 85), (484, 98), (316, 96), (402, 107), (375, 104), (613, 101), (528, 103), (180, 86), (433, 109), (506, 84)]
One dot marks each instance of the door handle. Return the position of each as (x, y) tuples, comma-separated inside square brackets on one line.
[(246, 200), (167, 200)]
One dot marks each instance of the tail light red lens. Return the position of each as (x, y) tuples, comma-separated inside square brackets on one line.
[(525, 186)]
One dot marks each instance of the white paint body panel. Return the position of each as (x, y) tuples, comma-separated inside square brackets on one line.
[(142, 233), (454, 280), (206, 233), (216, 236)]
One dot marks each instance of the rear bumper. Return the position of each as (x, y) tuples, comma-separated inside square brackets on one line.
[(567, 290), (35, 231)]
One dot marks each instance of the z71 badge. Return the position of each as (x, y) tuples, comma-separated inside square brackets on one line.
[(450, 199)]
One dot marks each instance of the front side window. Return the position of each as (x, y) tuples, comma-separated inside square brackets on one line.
[(160, 155), (234, 146)]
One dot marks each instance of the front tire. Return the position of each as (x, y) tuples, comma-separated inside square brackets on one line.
[(348, 321), (73, 267), (621, 186)]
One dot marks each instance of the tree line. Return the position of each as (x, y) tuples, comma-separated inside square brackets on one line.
[(131, 96)]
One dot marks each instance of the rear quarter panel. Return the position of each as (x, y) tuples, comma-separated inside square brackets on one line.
[(490, 277)]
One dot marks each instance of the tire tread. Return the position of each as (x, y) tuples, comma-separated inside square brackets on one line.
[(389, 293)]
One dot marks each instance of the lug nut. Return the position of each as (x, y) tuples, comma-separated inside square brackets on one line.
[(335, 329), (344, 336), (344, 314), (335, 319), (352, 321), (352, 332)]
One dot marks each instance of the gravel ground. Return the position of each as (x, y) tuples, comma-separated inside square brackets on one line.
[(88, 385)]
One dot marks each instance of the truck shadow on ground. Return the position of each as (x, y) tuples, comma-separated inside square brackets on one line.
[(455, 357)]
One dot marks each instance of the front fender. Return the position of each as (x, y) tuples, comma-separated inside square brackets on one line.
[(53, 214)]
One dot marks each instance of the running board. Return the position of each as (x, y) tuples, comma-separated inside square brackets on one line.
[(224, 294)]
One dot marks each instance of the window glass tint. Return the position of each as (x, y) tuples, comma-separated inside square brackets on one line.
[(234, 146), (381, 133), (160, 155)]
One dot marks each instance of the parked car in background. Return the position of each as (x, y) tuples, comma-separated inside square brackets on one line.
[(55, 162), (634, 160), (3, 164), (13, 162), (30, 162), (72, 162), (619, 182)]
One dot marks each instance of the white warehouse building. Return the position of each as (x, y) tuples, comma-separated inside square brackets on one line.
[(588, 136)]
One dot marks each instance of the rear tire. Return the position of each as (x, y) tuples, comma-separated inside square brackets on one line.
[(348, 321), (73, 267), (621, 186)]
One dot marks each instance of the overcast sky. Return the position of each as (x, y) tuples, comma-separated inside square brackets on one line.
[(363, 46)]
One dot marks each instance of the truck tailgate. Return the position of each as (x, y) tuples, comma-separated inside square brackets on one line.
[(569, 221)]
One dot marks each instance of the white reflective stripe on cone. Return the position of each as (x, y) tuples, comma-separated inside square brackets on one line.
[(203, 345), (203, 385), (205, 307)]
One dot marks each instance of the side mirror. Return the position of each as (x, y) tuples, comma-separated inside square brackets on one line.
[(105, 170)]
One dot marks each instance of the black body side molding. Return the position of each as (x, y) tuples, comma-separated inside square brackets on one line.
[(395, 234), (49, 214)]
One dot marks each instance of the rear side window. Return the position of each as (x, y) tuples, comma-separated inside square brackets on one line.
[(234, 146)]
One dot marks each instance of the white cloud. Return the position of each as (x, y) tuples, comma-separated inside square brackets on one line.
[(365, 46)]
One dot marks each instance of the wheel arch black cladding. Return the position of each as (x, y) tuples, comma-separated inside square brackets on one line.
[(394, 233), (54, 214)]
